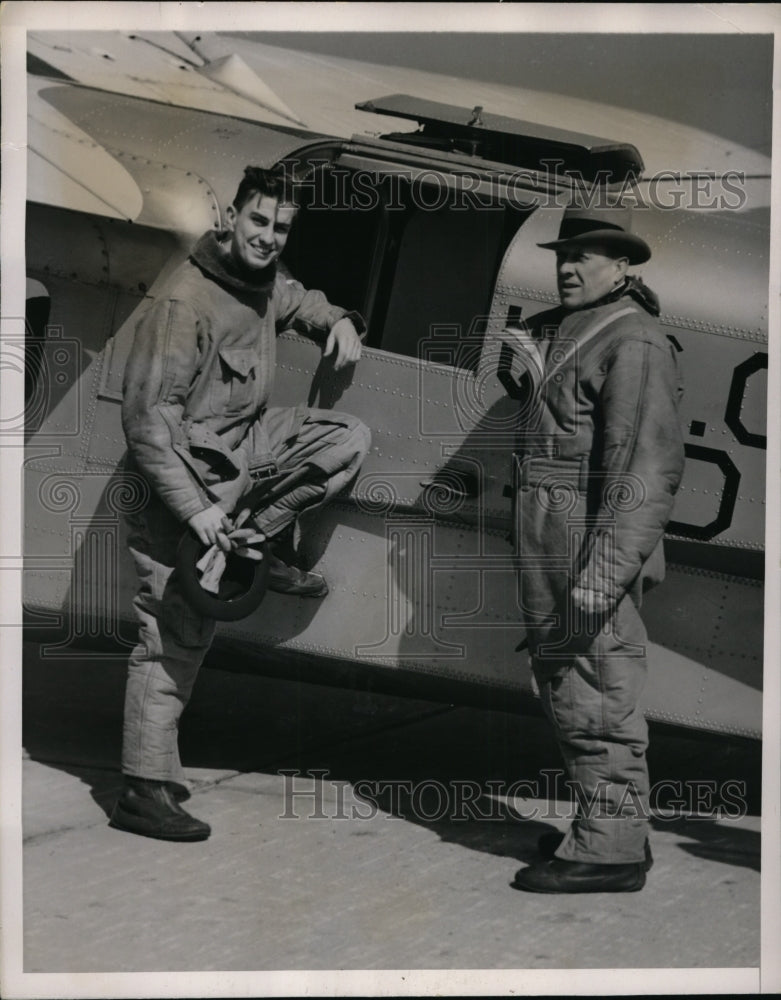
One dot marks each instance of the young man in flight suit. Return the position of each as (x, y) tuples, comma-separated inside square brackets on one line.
[(601, 458), (199, 431)]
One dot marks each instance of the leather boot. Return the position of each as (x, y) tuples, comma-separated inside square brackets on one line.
[(575, 876), (285, 577), (149, 808), (550, 842)]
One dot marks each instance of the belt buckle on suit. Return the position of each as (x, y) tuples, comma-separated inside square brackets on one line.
[(264, 473)]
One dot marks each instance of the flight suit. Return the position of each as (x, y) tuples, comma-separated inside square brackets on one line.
[(599, 461), (198, 428)]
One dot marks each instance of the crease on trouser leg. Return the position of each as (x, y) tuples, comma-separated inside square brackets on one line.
[(333, 444), (593, 705), (156, 694), (281, 514), (162, 668)]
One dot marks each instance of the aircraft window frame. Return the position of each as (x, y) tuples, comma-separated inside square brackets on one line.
[(398, 202)]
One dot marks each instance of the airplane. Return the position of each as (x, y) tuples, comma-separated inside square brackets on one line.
[(428, 224)]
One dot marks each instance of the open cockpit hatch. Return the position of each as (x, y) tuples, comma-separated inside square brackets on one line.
[(501, 139)]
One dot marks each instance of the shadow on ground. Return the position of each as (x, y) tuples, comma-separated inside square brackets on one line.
[(447, 768)]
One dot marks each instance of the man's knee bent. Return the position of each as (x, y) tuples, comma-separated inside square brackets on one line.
[(356, 440)]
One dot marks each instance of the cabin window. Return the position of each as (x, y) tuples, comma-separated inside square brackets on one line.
[(414, 260)]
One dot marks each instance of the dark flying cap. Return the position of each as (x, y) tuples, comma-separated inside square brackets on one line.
[(242, 586)]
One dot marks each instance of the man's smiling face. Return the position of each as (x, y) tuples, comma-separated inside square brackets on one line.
[(585, 274), (259, 231)]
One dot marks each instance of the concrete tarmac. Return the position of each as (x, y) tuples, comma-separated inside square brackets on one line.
[(392, 848)]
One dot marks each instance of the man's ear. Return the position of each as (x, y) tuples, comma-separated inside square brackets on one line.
[(622, 266), (230, 217)]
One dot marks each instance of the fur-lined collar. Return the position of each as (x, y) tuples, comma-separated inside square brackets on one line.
[(636, 289), (211, 255)]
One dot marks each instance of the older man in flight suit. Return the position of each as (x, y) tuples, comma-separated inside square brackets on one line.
[(199, 431), (600, 460)]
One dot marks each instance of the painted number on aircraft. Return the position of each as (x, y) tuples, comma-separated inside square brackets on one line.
[(744, 415), (729, 494), (734, 416)]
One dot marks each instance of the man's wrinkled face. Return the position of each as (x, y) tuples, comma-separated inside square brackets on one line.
[(259, 231), (584, 275)]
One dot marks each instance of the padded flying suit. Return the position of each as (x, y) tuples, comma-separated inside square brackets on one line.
[(600, 459), (195, 416)]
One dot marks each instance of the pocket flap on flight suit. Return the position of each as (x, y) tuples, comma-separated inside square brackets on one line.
[(240, 360)]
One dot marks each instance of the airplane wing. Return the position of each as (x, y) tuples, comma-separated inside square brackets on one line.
[(321, 91)]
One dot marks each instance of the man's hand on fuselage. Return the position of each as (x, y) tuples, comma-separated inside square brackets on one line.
[(344, 340)]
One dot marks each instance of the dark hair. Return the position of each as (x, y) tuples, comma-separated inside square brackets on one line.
[(274, 183)]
